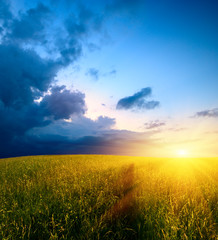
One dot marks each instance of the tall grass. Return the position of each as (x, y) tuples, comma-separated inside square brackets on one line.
[(107, 197)]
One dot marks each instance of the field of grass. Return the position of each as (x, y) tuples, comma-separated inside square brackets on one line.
[(108, 197)]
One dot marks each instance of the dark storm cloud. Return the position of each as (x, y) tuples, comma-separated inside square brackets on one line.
[(102, 142), (77, 128), (33, 111), (154, 124), (78, 27), (94, 73), (4, 10), (56, 144), (63, 103), (126, 5), (5, 14), (81, 23), (24, 75), (83, 135), (138, 101), (60, 104), (212, 113), (80, 136), (38, 25), (16, 123), (30, 25), (105, 122)]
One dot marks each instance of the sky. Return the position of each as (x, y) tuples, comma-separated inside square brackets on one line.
[(119, 77)]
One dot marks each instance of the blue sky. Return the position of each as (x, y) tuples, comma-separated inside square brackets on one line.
[(109, 77)]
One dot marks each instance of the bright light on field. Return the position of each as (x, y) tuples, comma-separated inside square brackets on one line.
[(182, 153)]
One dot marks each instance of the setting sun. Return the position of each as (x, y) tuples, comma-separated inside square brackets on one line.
[(182, 153)]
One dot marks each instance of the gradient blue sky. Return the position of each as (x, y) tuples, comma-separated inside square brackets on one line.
[(105, 53)]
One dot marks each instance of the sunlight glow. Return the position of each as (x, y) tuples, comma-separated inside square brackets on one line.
[(182, 153)]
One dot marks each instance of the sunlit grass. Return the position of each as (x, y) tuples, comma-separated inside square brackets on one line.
[(108, 197)]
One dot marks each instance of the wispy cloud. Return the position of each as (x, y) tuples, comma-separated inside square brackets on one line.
[(94, 73), (176, 129), (154, 124), (110, 73), (211, 113)]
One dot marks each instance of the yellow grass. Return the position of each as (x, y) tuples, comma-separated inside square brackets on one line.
[(108, 197)]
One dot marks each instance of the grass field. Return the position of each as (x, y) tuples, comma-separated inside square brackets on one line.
[(108, 197)]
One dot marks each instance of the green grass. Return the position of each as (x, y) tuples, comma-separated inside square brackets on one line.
[(108, 197)]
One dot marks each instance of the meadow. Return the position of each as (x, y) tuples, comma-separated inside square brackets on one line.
[(108, 197)]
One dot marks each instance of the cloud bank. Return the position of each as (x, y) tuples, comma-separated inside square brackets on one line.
[(39, 117)]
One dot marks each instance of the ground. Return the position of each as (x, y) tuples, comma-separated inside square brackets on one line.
[(108, 197)]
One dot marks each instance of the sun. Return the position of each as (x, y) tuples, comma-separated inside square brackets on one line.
[(182, 153)]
